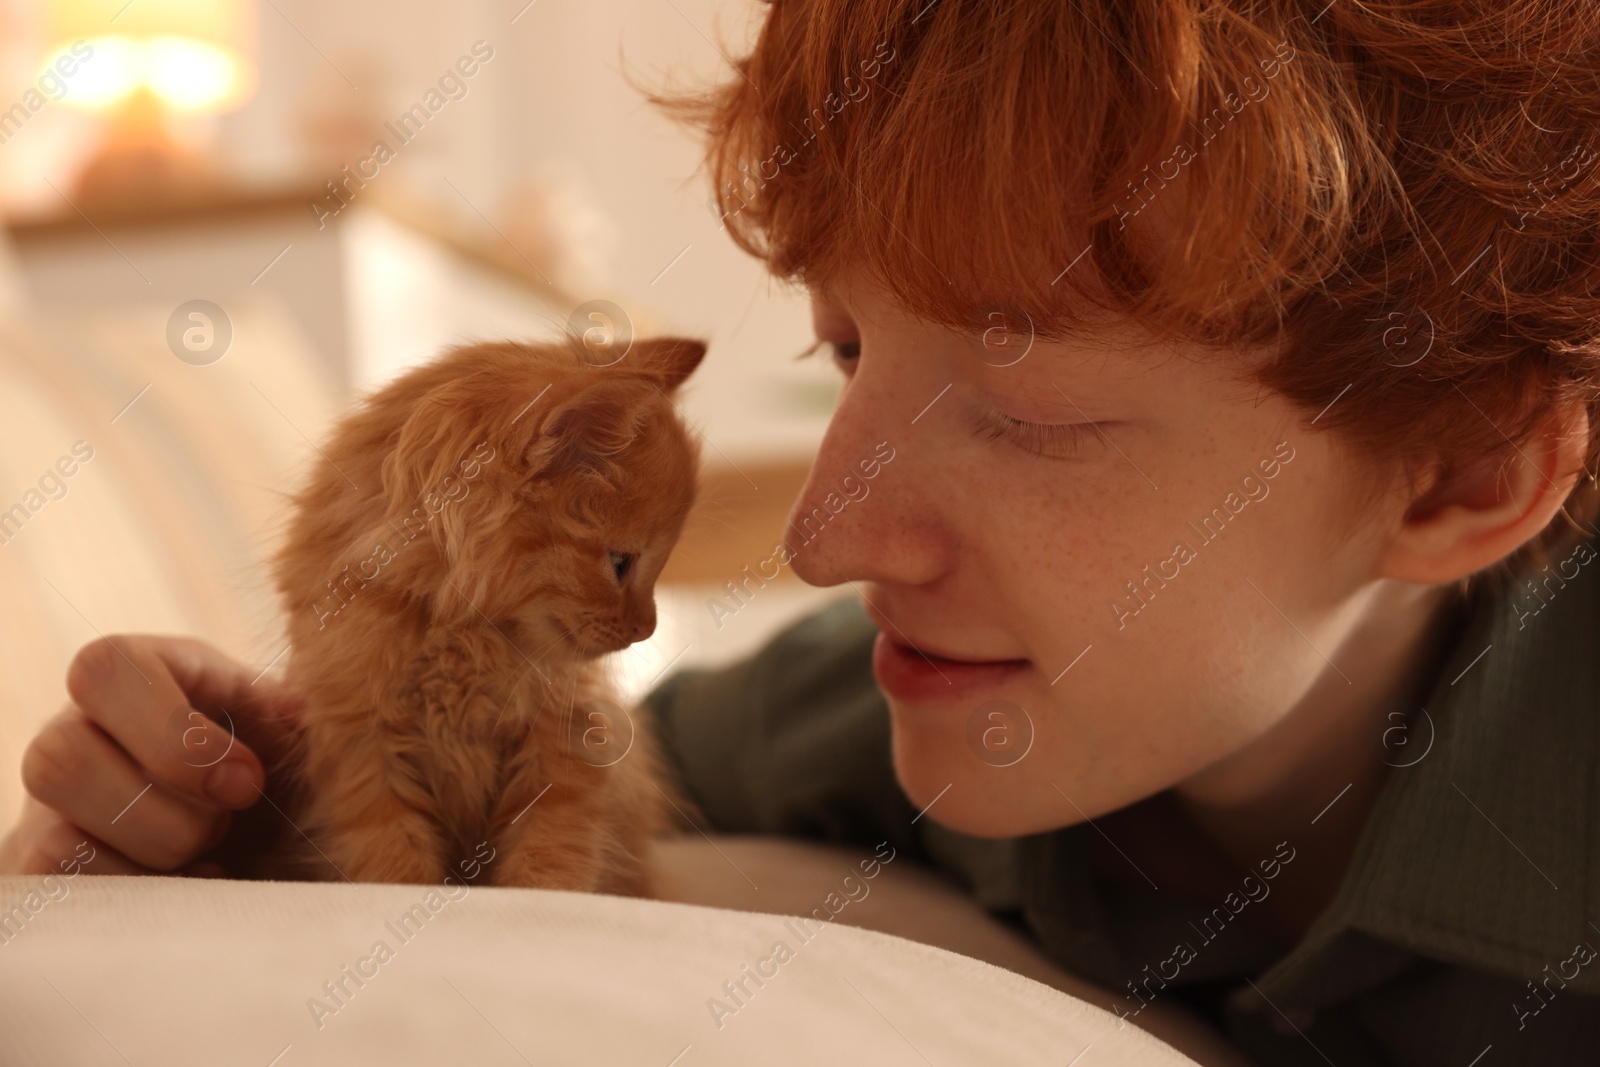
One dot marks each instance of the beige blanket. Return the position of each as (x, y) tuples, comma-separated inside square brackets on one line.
[(174, 971)]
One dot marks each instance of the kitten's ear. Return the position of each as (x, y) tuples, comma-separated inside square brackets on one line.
[(436, 445), (669, 360), (427, 494), (590, 428)]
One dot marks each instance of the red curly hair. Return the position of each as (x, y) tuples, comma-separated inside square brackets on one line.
[(1404, 197)]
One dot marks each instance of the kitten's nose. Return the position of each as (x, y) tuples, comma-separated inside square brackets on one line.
[(644, 623)]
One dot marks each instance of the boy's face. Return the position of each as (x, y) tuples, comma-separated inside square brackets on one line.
[(1014, 549)]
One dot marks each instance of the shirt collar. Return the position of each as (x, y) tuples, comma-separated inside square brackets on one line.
[(1482, 851)]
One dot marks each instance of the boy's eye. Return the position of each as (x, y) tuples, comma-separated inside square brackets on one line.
[(621, 563), (845, 354), (1045, 439)]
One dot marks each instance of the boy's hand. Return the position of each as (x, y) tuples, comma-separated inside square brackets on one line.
[(150, 759)]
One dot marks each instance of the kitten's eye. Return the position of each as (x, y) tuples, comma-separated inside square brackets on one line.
[(621, 563)]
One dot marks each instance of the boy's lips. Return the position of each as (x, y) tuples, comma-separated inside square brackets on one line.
[(912, 674)]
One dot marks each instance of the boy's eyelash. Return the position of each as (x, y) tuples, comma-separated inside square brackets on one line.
[(835, 349), (1044, 439)]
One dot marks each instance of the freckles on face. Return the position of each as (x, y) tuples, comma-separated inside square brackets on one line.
[(1167, 598)]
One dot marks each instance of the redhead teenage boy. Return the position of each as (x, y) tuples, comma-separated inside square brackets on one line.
[(1223, 621)]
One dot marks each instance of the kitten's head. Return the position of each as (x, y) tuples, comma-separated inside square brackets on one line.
[(515, 484)]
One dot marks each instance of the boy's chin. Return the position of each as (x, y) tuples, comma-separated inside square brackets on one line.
[(948, 785)]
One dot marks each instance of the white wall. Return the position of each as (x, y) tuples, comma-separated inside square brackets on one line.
[(551, 102)]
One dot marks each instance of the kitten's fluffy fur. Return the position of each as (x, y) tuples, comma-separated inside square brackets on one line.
[(451, 576)]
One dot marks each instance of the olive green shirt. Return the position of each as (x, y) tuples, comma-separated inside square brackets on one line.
[(1464, 931)]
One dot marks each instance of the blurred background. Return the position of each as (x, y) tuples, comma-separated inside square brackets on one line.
[(225, 221)]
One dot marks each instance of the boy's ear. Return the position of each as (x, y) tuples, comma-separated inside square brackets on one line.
[(1474, 516), (589, 428), (669, 360)]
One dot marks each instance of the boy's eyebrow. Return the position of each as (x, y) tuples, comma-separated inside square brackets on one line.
[(1014, 319), (826, 291)]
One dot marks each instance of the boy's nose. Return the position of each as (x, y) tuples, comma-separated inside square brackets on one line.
[(865, 513)]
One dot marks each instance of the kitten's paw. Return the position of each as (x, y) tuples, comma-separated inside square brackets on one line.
[(529, 873), (394, 863)]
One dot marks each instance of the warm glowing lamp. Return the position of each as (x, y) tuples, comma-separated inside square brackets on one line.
[(149, 61)]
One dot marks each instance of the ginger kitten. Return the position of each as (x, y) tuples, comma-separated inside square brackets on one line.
[(485, 529)]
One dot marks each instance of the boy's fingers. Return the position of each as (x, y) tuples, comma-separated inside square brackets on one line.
[(264, 713), (267, 719), (43, 842), (129, 686), (94, 786), (209, 677)]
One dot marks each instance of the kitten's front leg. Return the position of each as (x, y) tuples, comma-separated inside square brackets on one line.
[(371, 834), (550, 842)]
